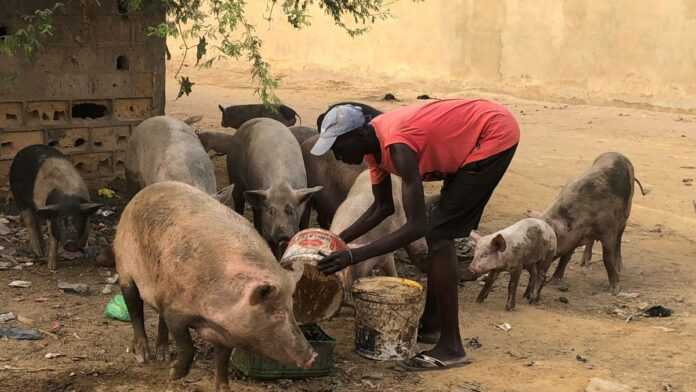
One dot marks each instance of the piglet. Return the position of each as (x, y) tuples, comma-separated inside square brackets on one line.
[(202, 266), (46, 186), (528, 244)]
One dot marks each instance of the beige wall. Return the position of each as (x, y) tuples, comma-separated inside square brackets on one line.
[(595, 51)]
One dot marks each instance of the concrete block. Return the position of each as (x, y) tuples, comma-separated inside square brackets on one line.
[(12, 142), (132, 109), (47, 113), (106, 139), (93, 165), (120, 163), (143, 84), (11, 114), (69, 141), (112, 84)]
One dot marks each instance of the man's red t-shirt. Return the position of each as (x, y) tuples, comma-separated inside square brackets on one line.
[(445, 135)]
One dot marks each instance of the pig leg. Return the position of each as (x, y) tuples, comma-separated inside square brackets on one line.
[(52, 252), (238, 197), (132, 185), (306, 215), (533, 287), (31, 221), (162, 345), (609, 256), (134, 303), (512, 288), (619, 259), (184, 345), (587, 255), (560, 269), (490, 279), (222, 362)]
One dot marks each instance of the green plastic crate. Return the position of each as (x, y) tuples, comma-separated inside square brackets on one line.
[(256, 366)]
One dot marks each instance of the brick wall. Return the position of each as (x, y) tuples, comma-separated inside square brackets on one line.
[(93, 81)]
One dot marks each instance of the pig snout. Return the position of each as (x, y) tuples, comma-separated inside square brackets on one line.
[(297, 349), (474, 269)]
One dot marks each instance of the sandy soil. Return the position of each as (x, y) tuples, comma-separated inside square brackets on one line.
[(552, 346)]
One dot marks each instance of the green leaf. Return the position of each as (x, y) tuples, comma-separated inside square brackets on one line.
[(184, 86), (201, 49)]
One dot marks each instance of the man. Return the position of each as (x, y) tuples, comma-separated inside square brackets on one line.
[(468, 144)]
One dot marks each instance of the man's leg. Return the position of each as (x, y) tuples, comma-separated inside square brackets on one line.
[(442, 288)]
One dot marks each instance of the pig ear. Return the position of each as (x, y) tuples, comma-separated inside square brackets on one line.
[(475, 235), (89, 208), (48, 212), (262, 293), (304, 194), (221, 108), (294, 268), (498, 243), (256, 198)]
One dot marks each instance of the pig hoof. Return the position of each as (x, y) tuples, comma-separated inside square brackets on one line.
[(615, 290), (142, 354), (176, 373), (509, 307), (162, 353)]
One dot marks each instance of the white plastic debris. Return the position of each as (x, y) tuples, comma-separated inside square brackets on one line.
[(20, 284), (504, 327), (112, 279)]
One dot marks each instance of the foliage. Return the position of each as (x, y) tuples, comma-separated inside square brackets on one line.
[(197, 23)]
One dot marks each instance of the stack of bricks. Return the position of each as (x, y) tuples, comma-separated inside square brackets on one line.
[(99, 76)]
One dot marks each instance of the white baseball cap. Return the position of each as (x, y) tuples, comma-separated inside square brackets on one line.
[(338, 121)]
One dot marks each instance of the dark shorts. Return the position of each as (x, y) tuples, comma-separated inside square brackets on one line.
[(465, 194)]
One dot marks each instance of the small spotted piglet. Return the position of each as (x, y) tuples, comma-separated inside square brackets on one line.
[(528, 244)]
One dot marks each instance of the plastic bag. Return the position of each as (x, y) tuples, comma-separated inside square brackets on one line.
[(116, 309)]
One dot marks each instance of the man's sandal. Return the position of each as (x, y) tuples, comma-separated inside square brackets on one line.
[(422, 363)]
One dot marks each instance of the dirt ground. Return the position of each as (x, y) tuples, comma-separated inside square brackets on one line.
[(552, 346)]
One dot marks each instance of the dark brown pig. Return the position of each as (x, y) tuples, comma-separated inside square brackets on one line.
[(46, 186), (302, 133), (369, 111), (202, 266), (236, 115), (334, 176), (594, 207)]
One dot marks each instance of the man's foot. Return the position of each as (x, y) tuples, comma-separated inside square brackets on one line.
[(423, 362)]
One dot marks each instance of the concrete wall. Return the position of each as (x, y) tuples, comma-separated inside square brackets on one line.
[(93, 81), (615, 52)]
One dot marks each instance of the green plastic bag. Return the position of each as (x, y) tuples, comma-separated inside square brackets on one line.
[(116, 309)]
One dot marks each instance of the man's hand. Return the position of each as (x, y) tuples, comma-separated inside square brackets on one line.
[(335, 262)]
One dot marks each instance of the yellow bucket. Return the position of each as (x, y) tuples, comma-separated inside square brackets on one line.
[(387, 312)]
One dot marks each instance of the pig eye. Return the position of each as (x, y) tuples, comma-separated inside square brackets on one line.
[(289, 210)]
